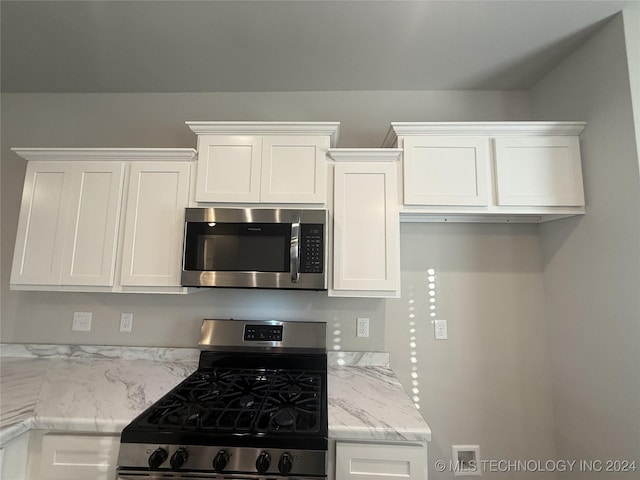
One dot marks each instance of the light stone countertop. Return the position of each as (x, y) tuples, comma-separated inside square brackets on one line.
[(101, 389)]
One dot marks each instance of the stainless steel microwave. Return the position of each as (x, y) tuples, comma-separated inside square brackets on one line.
[(255, 248)]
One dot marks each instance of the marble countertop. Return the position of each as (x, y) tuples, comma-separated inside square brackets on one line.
[(101, 389)]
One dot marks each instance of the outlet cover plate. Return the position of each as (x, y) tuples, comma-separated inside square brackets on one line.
[(362, 327), (466, 460), (82, 321)]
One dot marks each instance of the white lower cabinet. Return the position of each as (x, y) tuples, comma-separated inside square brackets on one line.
[(73, 456), (102, 220), (388, 461), (14, 457), (366, 227)]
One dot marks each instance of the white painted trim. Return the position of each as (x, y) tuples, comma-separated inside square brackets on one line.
[(267, 128), (481, 128), (365, 154), (98, 154)]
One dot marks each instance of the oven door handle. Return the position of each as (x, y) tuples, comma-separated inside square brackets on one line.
[(294, 251)]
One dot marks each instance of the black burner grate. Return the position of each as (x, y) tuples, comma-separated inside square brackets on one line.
[(255, 401)]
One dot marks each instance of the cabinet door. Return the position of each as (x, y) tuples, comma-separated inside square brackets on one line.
[(152, 248), (366, 259), (360, 461), (14, 456), (44, 215), (294, 169), (228, 168), (90, 246), (68, 224), (66, 456), (539, 171), (446, 170)]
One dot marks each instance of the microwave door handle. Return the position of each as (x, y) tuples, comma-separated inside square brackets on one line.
[(294, 252)]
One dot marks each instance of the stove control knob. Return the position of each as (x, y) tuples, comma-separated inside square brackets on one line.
[(220, 461), (285, 464), (263, 462), (157, 458), (179, 458)]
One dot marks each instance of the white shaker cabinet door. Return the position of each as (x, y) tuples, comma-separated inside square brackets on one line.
[(78, 456), (152, 248), (365, 461), (41, 227), (228, 168), (366, 230), (90, 248), (446, 170), (294, 169), (539, 171), (68, 224)]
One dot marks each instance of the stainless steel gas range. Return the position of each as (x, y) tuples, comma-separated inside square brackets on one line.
[(255, 409)]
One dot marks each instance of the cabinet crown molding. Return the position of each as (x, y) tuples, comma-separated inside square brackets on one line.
[(100, 154), (330, 129), (365, 154), (481, 128)]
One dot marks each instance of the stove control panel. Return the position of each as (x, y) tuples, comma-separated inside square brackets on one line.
[(263, 333), (201, 460)]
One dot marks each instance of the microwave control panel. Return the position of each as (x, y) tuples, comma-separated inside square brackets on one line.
[(311, 248)]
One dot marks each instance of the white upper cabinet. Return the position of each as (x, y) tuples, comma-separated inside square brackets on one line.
[(294, 169), (229, 168), (446, 170), (67, 231), (366, 227), (101, 219), (540, 171), (152, 249), (263, 162), (489, 171)]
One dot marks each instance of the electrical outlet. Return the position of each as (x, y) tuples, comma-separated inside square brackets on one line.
[(362, 327), (126, 322), (82, 321), (466, 460), (440, 329)]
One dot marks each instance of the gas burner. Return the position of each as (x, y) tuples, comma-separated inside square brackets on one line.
[(285, 417), (290, 392)]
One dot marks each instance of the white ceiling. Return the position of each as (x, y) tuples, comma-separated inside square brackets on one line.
[(208, 46)]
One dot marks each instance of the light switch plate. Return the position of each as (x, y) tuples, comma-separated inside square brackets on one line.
[(82, 321)]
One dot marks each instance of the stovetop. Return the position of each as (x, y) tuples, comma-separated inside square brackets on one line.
[(256, 406)]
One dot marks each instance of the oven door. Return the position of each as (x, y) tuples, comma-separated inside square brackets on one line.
[(123, 474)]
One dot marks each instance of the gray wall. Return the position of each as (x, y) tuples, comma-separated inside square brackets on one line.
[(591, 265), (488, 384), (146, 120)]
